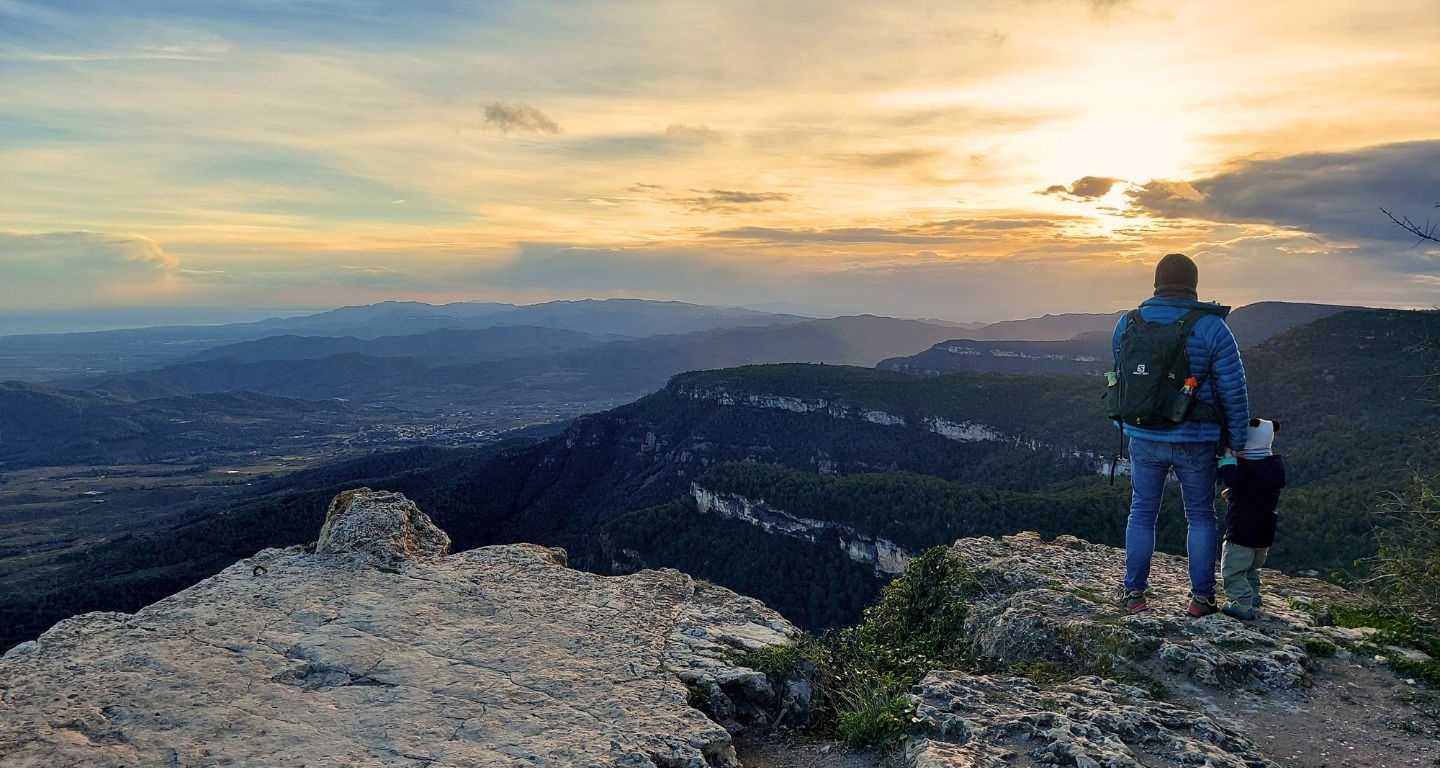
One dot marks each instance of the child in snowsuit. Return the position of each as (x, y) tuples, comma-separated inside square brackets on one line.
[(1252, 481)]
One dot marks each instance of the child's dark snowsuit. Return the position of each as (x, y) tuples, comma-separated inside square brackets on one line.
[(1253, 492)]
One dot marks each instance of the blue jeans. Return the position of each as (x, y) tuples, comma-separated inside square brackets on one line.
[(1194, 465)]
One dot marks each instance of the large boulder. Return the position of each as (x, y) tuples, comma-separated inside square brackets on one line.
[(383, 527)]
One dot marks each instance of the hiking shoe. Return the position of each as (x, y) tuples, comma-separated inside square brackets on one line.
[(1201, 605), (1136, 601), (1233, 609)]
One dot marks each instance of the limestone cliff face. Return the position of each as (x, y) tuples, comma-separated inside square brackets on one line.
[(962, 431), (887, 557), (380, 650)]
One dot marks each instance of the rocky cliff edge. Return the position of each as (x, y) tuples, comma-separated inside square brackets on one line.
[(375, 647)]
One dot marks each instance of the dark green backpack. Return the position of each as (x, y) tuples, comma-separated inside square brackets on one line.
[(1147, 388)]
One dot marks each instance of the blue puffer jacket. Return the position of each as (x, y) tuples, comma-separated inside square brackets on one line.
[(1214, 360)]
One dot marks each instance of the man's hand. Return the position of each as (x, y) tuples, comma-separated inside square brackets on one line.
[(1229, 452)]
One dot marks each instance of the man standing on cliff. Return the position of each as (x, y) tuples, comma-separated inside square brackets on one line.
[(1206, 408)]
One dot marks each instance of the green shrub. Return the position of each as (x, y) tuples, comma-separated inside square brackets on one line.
[(782, 662), (1319, 647), (862, 674), (1407, 559), (874, 715)]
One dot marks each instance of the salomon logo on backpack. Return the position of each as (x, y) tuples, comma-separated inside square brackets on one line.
[(1148, 389)]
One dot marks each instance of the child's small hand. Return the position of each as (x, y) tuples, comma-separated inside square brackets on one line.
[(1225, 493)]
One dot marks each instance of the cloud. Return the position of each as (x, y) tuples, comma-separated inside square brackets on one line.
[(1239, 264), (692, 134), (594, 271), (899, 158), (375, 275), (1169, 199), (732, 197), (1085, 188), (834, 235), (699, 200), (519, 118), (949, 231), (1334, 195), (904, 283), (57, 269)]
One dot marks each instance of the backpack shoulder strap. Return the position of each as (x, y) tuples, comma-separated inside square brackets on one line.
[(1189, 319), (1132, 319), (1178, 352)]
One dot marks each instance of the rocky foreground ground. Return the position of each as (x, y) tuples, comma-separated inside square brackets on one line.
[(1168, 689), (377, 648)]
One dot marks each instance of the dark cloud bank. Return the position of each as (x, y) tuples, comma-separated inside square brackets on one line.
[(1334, 195)]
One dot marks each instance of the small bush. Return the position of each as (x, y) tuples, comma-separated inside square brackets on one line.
[(919, 622), (697, 697), (1319, 647), (874, 712), (862, 674), (1407, 561), (783, 662)]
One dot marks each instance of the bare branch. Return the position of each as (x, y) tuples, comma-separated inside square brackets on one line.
[(1428, 231)]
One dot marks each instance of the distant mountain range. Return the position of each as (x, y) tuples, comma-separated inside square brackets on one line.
[(599, 317), (1045, 328), (442, 345), (446, 370), (1252, 323), (66, 355), (1031, 348)]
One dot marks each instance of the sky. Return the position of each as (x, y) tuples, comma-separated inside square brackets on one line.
[(967, 160)]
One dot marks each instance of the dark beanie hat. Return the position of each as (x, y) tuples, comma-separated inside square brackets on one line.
[(1176, 275)]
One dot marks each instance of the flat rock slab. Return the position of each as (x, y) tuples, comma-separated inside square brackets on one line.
[(493, 657)]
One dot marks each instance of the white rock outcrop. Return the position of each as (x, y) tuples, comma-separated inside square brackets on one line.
[(398, 657), (383, 526)]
